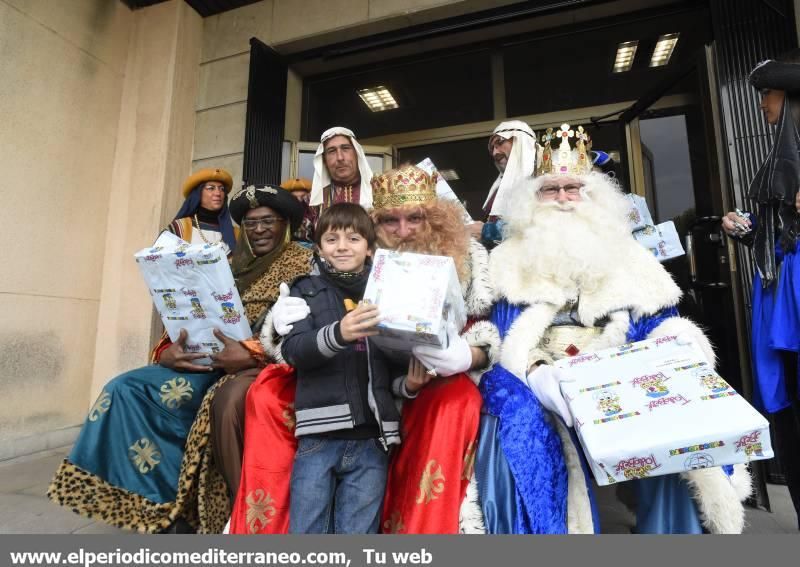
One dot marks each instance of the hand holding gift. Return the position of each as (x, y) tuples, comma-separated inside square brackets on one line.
[(233, 357), (545, 383), (417, 376), (454, 359), (175, 356), (360, 322)]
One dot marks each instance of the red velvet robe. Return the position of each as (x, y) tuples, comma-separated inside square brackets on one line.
[(428, 473)]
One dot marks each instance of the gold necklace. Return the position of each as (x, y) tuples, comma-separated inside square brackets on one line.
[(196, 223)]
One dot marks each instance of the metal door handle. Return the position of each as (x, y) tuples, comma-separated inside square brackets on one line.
[(690, 257)]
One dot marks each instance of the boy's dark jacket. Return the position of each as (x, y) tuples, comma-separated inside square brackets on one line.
[(328, 396)]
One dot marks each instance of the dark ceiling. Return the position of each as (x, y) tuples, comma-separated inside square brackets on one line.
[(203, 7)]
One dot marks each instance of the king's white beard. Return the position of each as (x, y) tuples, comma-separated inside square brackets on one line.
[(573, 244)]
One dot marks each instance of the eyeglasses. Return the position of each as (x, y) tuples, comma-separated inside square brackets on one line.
[(266, 222), (553, 190), (212, 188)]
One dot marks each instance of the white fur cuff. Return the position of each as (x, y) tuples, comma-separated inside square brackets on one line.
[(271, 340), (483, 334), (718, 504)]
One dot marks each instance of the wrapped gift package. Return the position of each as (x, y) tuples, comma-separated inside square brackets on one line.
[(662, 240), (443, 189), (418, 296), (657, 407), (638, 214), (193, 288)]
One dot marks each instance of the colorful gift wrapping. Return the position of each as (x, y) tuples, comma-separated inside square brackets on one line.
[(418, 296), (638, 215), (657, 407), (662, 240), (193, 288)]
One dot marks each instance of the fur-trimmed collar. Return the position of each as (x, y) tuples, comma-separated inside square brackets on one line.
[(477, 290), (634, 281)]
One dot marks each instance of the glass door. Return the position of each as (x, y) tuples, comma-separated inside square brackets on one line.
[(674, 162)]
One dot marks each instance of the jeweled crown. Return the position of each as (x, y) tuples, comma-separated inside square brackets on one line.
[(406, 185), (565, 159)]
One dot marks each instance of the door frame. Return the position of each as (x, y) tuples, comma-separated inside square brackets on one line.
[(538, 122)]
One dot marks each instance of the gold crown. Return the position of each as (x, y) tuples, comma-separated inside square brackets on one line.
[(565, 160), (406, 185)]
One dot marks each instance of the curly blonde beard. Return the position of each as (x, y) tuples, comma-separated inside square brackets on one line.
[(442, 234)]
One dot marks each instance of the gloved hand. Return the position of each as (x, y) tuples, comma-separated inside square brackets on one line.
[(288, 310), (456, 358), (545, 382)]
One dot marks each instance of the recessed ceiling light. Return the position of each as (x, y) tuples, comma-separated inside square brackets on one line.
[(449, 174), (663, 50), (626, 51), (378, 98)]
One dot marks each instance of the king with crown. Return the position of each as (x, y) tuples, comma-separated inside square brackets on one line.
[(430, 486), (570, 279)]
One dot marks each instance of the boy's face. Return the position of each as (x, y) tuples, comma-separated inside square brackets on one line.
[(344, 249)]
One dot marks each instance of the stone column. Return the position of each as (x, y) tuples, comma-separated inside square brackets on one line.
[(152, 157)]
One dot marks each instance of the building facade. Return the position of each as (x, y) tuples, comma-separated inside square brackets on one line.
[(106, 109)]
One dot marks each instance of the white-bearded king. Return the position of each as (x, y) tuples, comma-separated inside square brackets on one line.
[(570, 278)]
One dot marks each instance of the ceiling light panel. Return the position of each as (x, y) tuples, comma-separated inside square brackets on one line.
[(626, 52), (378, 99), (663, 50)]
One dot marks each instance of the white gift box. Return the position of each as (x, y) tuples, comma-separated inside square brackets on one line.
[(638, 214), (418, 296), (657, 407), (662, 240), (193, 288)]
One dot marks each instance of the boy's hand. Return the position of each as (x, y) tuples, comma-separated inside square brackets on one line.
[(417, 376), (360, 322)]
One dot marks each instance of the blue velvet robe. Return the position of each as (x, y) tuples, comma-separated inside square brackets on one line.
[(520, 468)]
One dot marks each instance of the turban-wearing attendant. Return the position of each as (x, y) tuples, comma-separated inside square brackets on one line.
[(204, 215), (300, 188), (513, 148), (774, 240), (143, 458), (336, 178), (571, 279), (430, 474), (341, 175)]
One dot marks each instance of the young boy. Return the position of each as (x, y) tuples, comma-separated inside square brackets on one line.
[(345, 412)]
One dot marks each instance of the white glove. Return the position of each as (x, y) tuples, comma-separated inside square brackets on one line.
[(545, 382), (288, 310), (456, 358)]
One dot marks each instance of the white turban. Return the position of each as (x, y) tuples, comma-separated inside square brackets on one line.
[(520, 165), (322, 178)]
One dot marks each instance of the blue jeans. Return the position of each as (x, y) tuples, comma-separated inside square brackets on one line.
[(337, 486)]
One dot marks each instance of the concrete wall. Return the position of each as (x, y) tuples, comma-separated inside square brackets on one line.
[(97, 105), (152, 159), (222, 96), (62, 65)]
